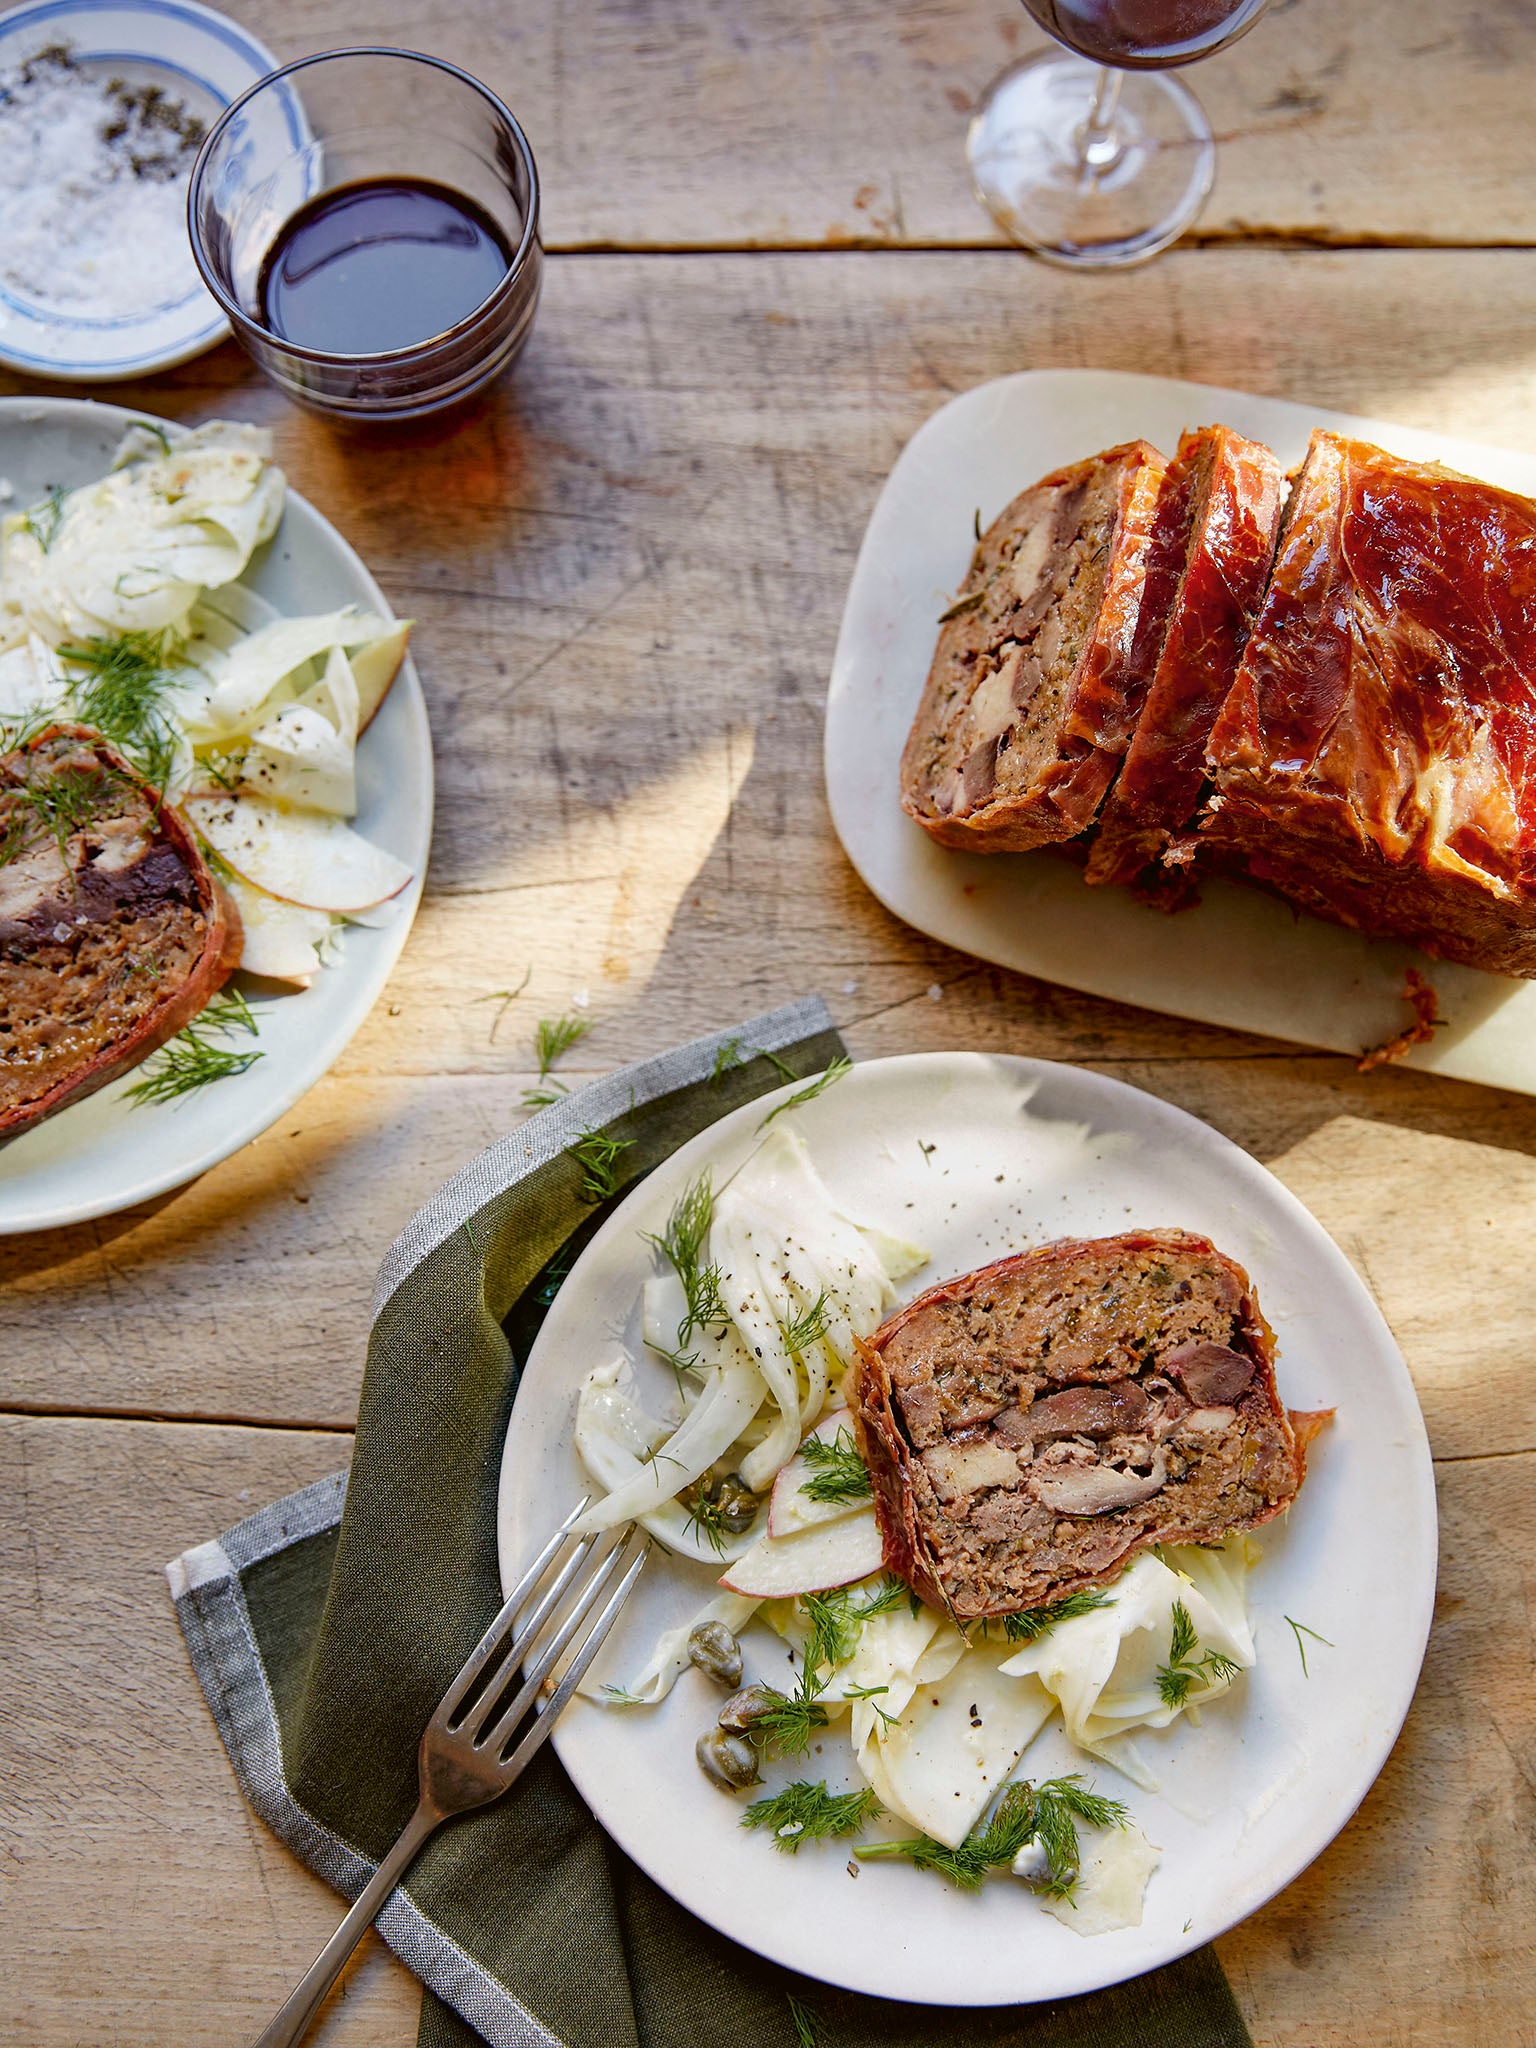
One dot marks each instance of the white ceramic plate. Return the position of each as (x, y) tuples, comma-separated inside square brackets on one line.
[(1023, 1151), (106, 1153), (198, 58), (1242, 959)]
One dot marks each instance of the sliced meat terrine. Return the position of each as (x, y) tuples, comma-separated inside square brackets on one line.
[(113, 932), (1031, 1427), (1376, 758), (1044, 660), (1224, 496)]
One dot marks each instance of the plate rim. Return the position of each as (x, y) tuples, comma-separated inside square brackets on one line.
[(391, 939), (170, 355), (1421, 1509)]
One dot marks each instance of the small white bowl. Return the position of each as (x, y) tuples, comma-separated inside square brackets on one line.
[(199, 58)]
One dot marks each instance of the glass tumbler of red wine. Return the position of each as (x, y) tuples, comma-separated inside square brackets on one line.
[(369, 222), (1100, 164)]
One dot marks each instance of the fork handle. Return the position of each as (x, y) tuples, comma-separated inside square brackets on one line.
[(289, 2026)]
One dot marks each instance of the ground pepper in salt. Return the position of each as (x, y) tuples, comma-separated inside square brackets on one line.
[(93, 190)]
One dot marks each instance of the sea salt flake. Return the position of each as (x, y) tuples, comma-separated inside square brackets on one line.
[(93, 191)]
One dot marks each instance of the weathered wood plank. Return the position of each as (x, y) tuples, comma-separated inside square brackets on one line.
[(171, 1915), (766, 122)]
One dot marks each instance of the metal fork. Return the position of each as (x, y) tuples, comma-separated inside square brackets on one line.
[(469, 1756)]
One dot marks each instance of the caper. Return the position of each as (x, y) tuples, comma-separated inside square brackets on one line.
[(737, 1503), (744, 1709), (727, 1760), (716, 1652)]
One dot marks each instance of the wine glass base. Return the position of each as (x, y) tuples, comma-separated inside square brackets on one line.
[(1027, 166)]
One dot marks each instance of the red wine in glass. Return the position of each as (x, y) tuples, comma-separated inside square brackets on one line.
[(1103, 164), (1138, 35)]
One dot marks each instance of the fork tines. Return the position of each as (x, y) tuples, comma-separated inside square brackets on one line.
[(552, 1626)]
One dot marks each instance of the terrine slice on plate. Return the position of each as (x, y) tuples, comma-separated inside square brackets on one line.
[(1043, 660), (1224, 496), (1375, 760), (113, 931), (1031, 1427)]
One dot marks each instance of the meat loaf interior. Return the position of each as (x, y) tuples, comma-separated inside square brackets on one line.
[(113, 934), (1224, 496), (1043, 660), (1031, 1427), (1374, 759)]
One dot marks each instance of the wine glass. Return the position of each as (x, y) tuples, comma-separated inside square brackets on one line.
[(1102, 164)]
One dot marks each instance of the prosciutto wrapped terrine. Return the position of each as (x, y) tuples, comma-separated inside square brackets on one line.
[(1029, 1428), (1043, 660), (113, 931), (1375, 760), (1222, 508)]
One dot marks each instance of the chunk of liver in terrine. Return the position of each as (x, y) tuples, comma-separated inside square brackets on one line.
[(1043, 661), (1032, 1426)]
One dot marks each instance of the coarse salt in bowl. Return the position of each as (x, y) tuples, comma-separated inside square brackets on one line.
[(102, 104)]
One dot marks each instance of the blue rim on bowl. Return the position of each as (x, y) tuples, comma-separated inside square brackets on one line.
[(203, 59)]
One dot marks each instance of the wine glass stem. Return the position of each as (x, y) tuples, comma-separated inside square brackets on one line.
[(1098, 147)]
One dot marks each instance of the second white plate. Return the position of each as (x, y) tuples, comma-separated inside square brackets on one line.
[(1242, 959), (973, 1157), (106, 1152)]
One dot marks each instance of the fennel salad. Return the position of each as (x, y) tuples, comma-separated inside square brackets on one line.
[(760, 1290), (121, 610)]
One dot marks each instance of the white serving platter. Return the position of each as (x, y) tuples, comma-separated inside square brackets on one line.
[(1243, 959), (199, 58), (1022, 1151), (107, 1153)]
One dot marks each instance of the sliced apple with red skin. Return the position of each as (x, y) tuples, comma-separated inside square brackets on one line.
[(790, 1507), (302, 856), (812, 1560)]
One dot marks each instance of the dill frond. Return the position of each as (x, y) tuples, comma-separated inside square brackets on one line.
[(44, 520), (121, 697), (1300, 1629), (839, 1473), (807, 1328), (554, 1036), (1045, 1813), (683, 1244), (840, 1066), (1177, 1678), (1034, 1621), (871, 1693), (804, 2022), (505, 998), (597, 1153), (835, 1618), (619, 1696), (804, 1812), (190, 1061), (707, 1517), (779, 1064), (727, 1056), (790, 1719)]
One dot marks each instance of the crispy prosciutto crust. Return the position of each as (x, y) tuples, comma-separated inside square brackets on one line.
[(1376, 758), (1223, 497), (1044, 661), (113, 932), (1030, 1427)]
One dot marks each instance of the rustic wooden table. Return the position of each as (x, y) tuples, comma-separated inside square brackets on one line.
[(767, 270)]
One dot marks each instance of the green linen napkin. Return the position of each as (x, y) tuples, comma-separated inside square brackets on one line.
[(325, 1629)]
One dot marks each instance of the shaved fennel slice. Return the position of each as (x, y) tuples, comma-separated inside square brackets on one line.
[(956, 1744), (643, 1480), (1103, 1667), (759, 1310), (670, 1659), (1111, 1884)]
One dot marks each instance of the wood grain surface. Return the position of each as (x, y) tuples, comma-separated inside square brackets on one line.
[(627, 571)]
